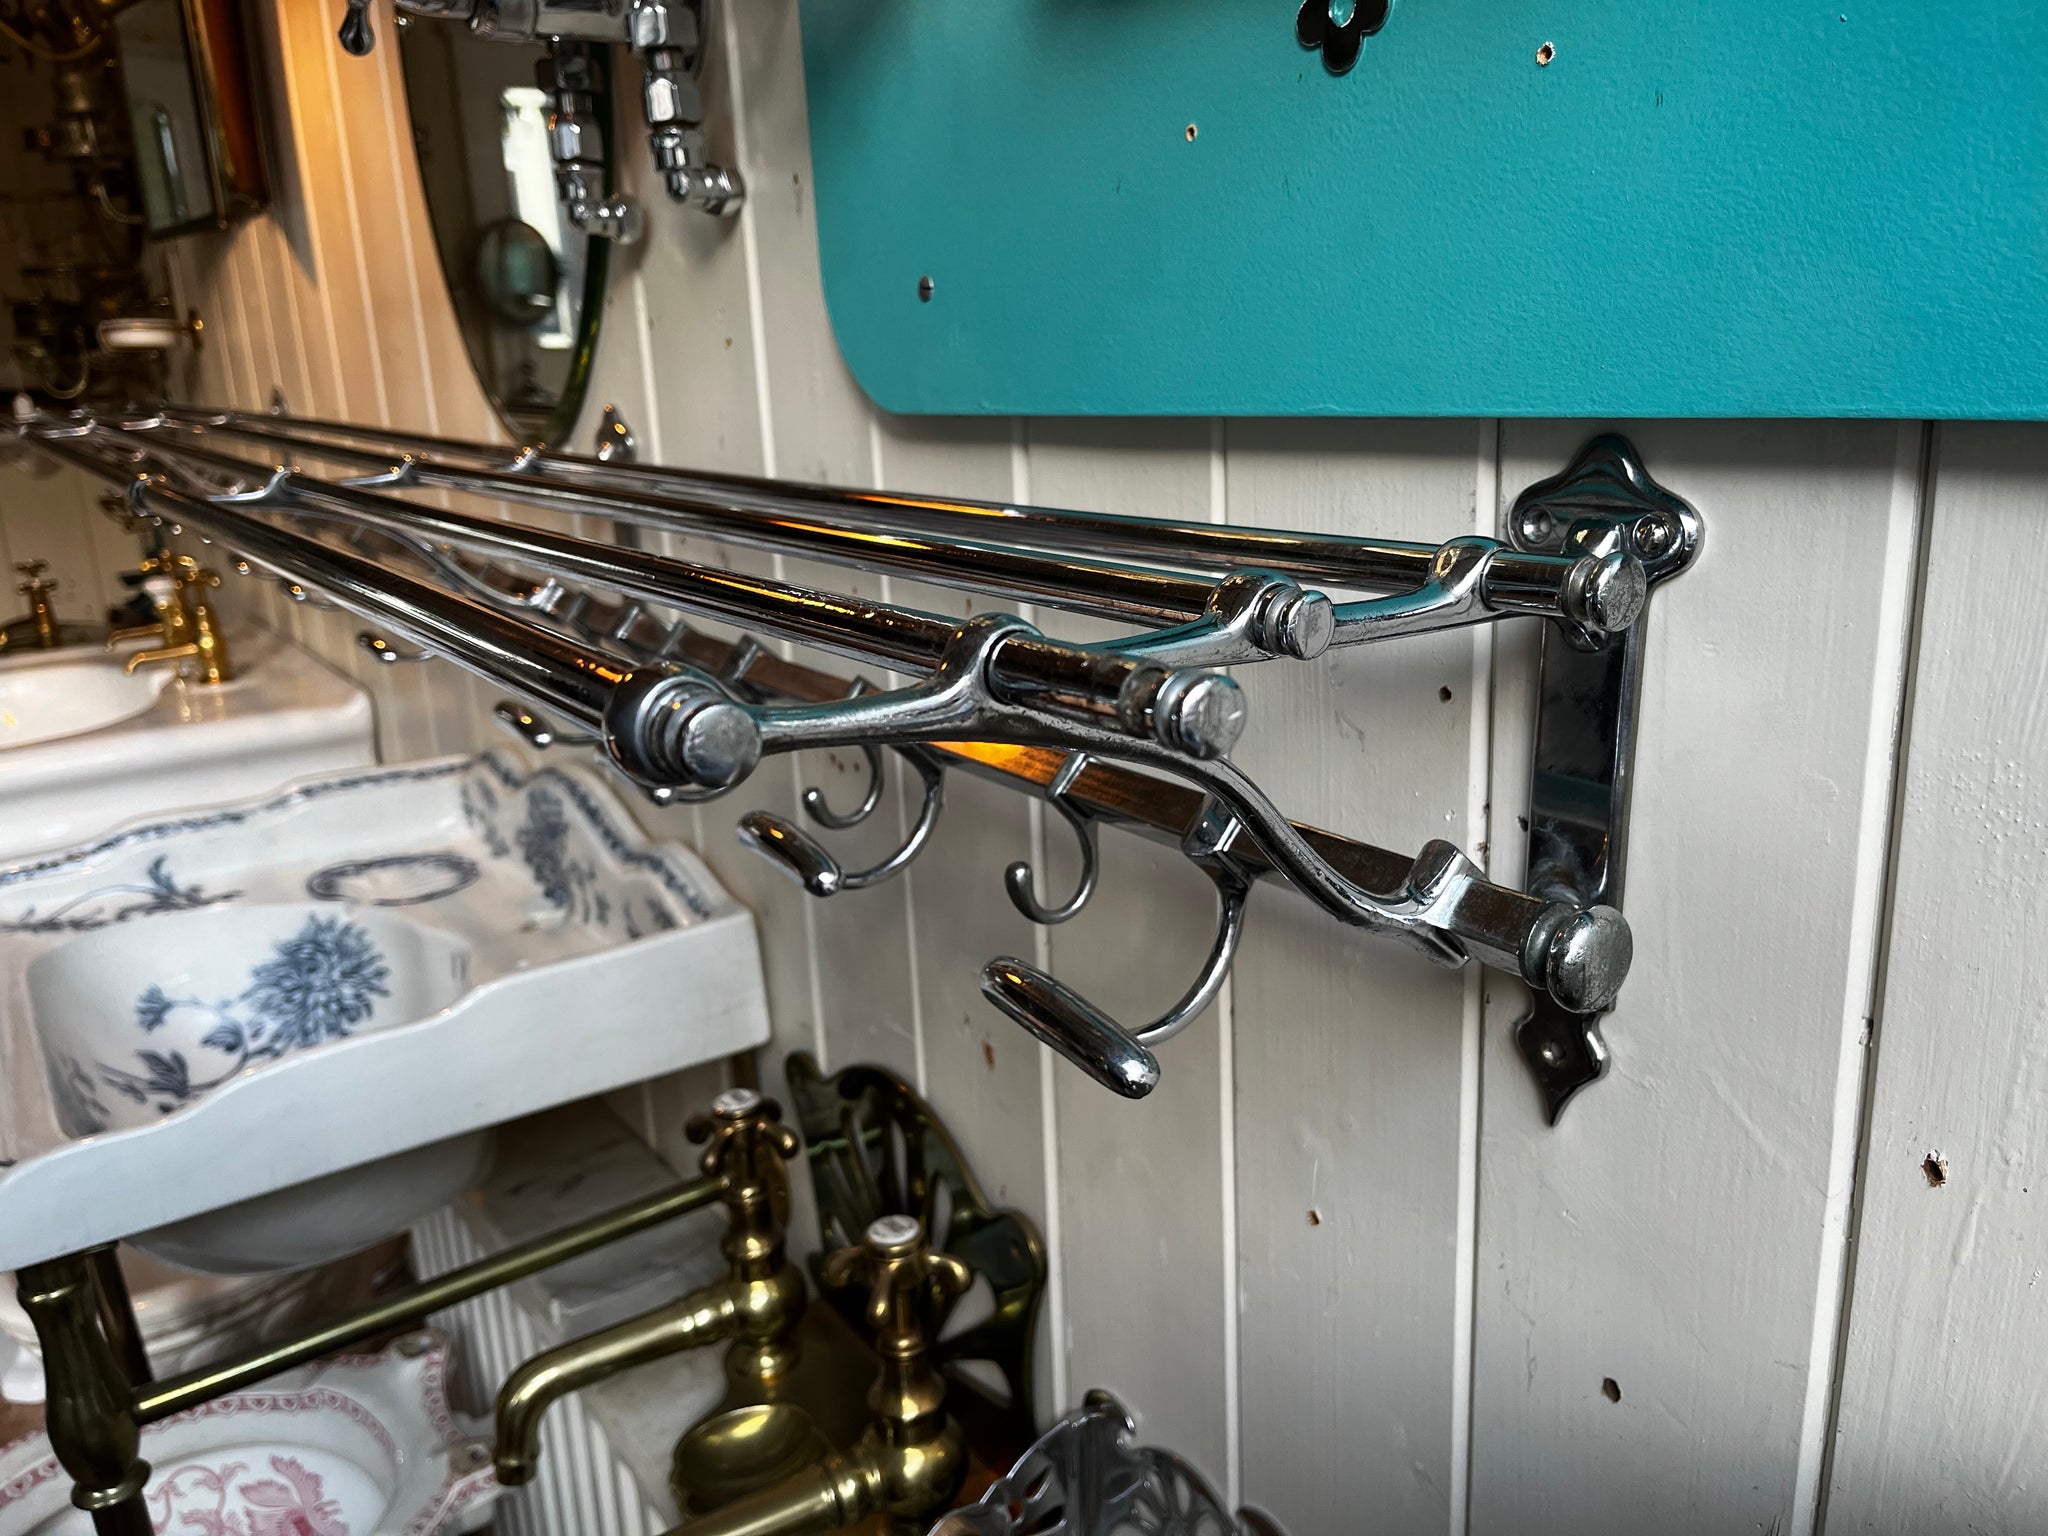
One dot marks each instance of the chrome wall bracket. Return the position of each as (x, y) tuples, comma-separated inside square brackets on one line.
[(1086, 1476), (1588, 699)]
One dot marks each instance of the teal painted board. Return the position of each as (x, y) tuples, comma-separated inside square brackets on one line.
[(1745, 207)]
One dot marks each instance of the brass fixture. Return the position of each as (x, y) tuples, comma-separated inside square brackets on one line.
[(874, 1148), (756, 1306), (208, 646), (912, 1459), (163, 574), (96, 1408), (38, 629)]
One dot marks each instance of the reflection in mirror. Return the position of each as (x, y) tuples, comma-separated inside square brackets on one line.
[(526, 284), (191, 113), (163, 114)]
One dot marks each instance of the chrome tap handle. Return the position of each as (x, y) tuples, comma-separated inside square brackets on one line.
[(741, 1128), (356, 36)]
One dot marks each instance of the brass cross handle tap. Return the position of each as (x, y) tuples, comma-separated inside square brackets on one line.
[(908, 1282), (912, 1458), (32, 572), (741, 1128)]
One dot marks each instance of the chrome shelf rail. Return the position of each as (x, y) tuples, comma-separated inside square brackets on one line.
[(600, 637), (1431, 587)]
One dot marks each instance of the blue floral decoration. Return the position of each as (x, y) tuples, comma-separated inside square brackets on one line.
[(157, 892), (317, 985)]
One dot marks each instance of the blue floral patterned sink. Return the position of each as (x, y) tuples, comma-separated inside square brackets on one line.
[(362, 972), (139, 1019)]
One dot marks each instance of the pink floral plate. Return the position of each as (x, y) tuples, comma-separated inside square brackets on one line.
[(363, 1445)]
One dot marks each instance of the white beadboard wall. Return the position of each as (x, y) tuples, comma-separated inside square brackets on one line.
[(1337, 1258)]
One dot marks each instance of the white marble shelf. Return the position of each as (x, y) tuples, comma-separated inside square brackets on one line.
[(595, 959)]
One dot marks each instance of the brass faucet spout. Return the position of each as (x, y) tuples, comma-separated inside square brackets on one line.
[(839, 1492), (706, 1316), (162, 653)]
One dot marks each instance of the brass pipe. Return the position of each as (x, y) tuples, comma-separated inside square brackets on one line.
[(757, 1305), (515, 1263), (704, 1316)]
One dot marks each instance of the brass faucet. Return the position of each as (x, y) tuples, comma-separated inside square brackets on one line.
[(913, 1457), (191, 630), (756, 1306), (164, 573), (38, 629)]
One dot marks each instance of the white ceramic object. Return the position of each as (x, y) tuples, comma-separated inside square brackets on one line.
[(39, 704), (365, 1445), (594, 959), (283, 717)]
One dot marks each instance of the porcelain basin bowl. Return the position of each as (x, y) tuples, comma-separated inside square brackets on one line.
[(66, 698), (84, 748), (261, 1035), (141, 1020), (365, 1445)]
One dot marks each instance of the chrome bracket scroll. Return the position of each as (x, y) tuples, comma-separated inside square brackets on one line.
[(1086, 1477), (1588, 699)]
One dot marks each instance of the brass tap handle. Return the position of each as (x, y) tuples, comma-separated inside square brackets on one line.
[(32, 569), (908, 1281), (741, 1128)]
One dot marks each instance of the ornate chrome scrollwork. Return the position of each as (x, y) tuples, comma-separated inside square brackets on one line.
[(1085, 1477)]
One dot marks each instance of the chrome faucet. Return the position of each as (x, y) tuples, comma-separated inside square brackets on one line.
[(756, 1307)]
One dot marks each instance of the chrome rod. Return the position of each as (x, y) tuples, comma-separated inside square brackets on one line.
[(576, 681), (1026, 669), (1127, 594), (1598, 594)]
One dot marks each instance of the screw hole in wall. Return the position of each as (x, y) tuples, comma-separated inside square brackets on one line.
[(1545, 53)]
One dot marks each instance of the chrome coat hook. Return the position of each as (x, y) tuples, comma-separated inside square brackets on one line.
[(1018, 879), (800, 856), (814, 802), (1118, 1058)]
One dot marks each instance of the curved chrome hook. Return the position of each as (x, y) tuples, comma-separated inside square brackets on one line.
[(1118, 1058), (1018, 879), (805, 860), (814, 802)]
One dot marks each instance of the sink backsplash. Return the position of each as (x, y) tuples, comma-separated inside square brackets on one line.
[(532, 858)]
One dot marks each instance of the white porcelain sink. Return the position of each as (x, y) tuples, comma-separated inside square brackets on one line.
[(40, 704), (83, 748), (266, 1034)]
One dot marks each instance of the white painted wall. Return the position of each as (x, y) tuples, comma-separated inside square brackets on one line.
[(1337, 1257)]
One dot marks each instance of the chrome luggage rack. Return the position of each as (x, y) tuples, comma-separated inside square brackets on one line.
[(597, 642)]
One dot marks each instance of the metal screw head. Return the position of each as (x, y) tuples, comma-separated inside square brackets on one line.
[(1654, 536), (924, 289), (1551, 1052), (1538, 525)]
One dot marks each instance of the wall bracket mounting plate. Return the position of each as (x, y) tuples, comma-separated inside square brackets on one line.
[(1588, 698)]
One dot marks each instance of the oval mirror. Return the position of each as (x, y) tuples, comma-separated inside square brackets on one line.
[(527, 285)]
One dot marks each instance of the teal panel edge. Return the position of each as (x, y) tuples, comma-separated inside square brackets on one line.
[(1744, 208)]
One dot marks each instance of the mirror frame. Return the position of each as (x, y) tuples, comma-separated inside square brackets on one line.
[(217, 53), (561, 422)]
